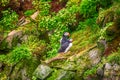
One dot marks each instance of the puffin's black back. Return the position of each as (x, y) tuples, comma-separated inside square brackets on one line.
[(64, 44)]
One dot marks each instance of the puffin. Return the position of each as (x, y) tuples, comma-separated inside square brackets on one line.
[(65, 43)]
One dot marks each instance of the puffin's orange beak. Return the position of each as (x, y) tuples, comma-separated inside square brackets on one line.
[(68, 34)]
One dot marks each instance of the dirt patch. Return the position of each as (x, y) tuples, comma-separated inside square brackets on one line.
[(57, 5)]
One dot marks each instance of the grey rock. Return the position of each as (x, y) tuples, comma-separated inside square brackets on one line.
[(42, 71), (95, 56), (116, 67), (24, 38), (111, 72), (107, 70), (108, 66), (102, 45), (100, 72), (65, 75), (24, 74)]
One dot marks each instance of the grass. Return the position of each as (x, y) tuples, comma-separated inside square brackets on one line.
[(83, 39)]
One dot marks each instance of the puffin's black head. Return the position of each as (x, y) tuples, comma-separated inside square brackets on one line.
[(66, 34)]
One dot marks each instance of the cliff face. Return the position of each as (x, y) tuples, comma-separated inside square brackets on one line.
[(29, 42)]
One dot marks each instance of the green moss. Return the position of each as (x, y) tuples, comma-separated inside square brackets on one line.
[(3, 58), (28, 65), (4, 45), (16, 73), (114, 57), (29, 12), (109, 36), (62, 75), (31, 65), (88, 8), (90, 72)]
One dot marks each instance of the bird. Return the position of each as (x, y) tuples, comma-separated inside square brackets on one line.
[(65, 43)]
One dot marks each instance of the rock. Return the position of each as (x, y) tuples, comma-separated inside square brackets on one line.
[(70, 66), (95, 56), (24, 74), (115, 70), (108, 66), (103, 41), (102, 45), (111, 72), (23, 21), (35, 15), (26, 22), (116, 67), (24, 38), (42, 72), (100, 72), (65, 75), (107, 70), (12, 37), (12, 33), (11, 40)]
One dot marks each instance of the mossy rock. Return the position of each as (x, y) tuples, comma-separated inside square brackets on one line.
[(112, 32), (105, 17), (22, 70), (42, 72), (11, 40), (62, 75), (109, 15)]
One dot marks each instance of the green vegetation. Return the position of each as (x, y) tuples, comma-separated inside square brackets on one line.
[(88, 21), (9, 19), (90, 72), (29, 12), (115, 57), (88, 8), (4, 2), (43, 6), (18, 54)]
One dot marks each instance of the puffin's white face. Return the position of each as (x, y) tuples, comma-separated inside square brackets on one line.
[(66, 34)]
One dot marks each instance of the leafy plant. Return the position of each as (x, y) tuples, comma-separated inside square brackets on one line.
[(29, 12), (4, 2), (54, 44), (8, 20), (70, 3), (58, 24), (32, 42), (45, 9), (88, 8), (20, 53), (43, 6), (90, 72), (105, 3), (2, 58), (104, 33), (60, 21), (90, 22)]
